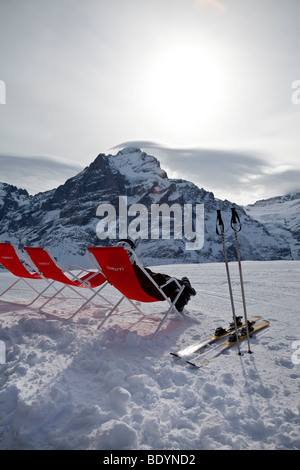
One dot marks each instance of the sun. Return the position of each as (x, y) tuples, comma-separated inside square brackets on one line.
[(185, 86)]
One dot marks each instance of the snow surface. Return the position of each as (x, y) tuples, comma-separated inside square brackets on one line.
[(68, 386)]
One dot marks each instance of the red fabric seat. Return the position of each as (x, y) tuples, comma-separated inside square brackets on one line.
[(16, 263), (115, 264), (50, 269), (11, 261)]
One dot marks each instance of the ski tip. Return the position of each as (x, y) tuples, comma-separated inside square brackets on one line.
[(174, 354), (191, 363), (200, 364)]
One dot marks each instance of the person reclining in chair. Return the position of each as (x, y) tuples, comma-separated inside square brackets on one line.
[(171, 289)]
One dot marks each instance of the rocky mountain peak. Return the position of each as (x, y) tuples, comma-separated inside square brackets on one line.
[(134, 164), (65, 219)]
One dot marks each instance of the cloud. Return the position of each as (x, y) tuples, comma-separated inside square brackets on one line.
[(35, 173), (210, 6), (238, 176)]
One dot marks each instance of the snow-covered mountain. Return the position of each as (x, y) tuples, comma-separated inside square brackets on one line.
[(281, 217), (65, 219)]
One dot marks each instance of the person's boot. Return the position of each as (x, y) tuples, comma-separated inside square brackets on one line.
[(189, 288)]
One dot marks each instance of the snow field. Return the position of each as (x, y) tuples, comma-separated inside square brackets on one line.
[(69, 386)]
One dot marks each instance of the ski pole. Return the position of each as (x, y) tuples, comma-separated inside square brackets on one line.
[(221, 233), (234, 220)]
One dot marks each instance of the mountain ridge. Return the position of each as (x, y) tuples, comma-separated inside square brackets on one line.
[(280, 216), (64, 219)]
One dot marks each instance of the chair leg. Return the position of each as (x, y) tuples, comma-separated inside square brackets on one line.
[(171, 307), (116, 306), (89, 300), (167, 313), (86, 299), (60, 290), (112, 310), (41, 293), (31, 287), (10, 287), (51, 298)]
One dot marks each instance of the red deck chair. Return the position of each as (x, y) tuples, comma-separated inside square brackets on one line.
[(14, 261), (49, 268), (117, 268)]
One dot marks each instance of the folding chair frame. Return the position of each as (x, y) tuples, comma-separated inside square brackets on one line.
[(29, 271), (92, 250), (72, 282)]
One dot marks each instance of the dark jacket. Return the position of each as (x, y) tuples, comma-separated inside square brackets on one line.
[(159, 278)]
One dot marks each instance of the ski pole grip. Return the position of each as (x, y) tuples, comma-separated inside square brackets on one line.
[(235, 218), (220, 222)]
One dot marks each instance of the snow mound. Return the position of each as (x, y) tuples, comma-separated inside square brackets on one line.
[(69, 386)]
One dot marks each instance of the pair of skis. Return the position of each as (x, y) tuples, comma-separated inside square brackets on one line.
[(227, 342), (248, 326), (220, 333), (199, 354)]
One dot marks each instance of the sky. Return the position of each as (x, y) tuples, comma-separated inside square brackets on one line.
[(210, 87)]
